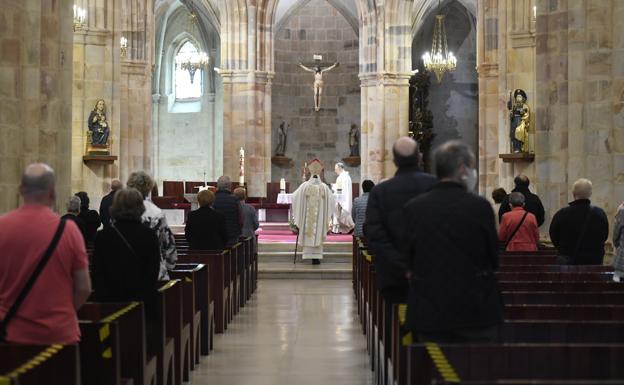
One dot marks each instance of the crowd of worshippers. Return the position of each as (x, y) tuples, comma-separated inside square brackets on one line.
[(436, 244), (132, 252)]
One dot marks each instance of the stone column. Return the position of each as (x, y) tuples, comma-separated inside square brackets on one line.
[(385, 118), (35, 93), (247, 124)]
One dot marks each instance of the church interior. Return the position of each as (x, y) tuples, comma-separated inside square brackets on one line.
[(188, 91)]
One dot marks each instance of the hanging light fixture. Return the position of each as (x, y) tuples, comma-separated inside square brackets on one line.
[(193, 62), (439, 60), (80, 17)]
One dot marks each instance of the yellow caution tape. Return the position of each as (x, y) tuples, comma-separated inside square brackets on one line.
[(187, 279), (37, 360), (442, 364), (104, 332), (120, 312), (108, 353)]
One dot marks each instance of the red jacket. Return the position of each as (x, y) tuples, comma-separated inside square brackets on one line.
[(528, 234)]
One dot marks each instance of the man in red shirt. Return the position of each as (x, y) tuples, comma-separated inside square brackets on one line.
[(526, 236), (48, 313)]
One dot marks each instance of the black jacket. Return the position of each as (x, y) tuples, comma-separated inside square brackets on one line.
[(566, 228), (105, 206), (532, 204), (452, 248), (120, 274), (383, 228), (228, 205), (79, 222), (205, 229), (92, 221)]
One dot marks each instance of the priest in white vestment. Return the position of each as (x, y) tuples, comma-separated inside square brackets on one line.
[(313, 203), (342, 221)]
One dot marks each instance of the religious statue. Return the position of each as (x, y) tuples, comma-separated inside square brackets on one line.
[(342, 220), (98, 125), (312, 206), (282, 135), (354, 140), (519, 115), (241, 174), (318, 81)]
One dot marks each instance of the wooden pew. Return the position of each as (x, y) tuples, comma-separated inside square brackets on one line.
[(488, 362), (565, 312), (100, 352), (191, 314), (219, 285), (203, 304), (127, 320), (176, 329), (561, 286), (162, 344), (561, 331), (563, 298), (555, 269), (35, 365), (527, 260), (556, 277)]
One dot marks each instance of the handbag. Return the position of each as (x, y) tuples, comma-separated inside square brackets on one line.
[(513, 234), (31, 280)]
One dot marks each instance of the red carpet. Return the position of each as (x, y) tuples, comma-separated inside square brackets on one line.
[(281, 234)]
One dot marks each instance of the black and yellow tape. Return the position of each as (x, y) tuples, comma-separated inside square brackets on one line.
[(37, 360), (444, 367), (104, 332)]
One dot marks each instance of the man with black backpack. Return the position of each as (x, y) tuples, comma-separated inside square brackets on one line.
[(44, 273)]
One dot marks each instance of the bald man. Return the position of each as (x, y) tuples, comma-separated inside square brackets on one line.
[(384, 227), (107, 202), (47, 314)]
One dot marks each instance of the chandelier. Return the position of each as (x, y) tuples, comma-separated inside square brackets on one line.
[(439, 60), (193, 62), (80, 16)]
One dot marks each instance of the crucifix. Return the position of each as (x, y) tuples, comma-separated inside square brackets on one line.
[(318, 72)]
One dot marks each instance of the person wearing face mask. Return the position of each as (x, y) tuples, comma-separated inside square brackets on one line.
[(383, 223), (451, 246)]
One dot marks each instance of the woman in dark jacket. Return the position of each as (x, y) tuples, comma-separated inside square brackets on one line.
[(205, 227), (126, 260), (91, 218)]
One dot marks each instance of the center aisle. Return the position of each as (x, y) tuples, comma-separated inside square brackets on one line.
[(299, 332)]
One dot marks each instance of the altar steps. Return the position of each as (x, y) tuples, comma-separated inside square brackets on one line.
[(275, 261)]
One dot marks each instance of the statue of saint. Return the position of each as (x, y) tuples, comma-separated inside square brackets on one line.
[(354, 140), (282, 135), (318, 81), (519, 115), (98, 126)]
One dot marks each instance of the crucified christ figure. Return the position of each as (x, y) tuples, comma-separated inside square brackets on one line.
[(318, 81)]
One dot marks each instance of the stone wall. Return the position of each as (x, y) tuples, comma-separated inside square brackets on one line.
[(317, 28), (580, 99), (188, 144), (454, 102), (35, 93)]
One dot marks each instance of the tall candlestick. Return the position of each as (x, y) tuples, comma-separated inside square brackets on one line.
[(241, 179), (283, 185)]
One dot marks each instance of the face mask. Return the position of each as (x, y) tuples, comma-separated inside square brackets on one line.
[(470, 179)]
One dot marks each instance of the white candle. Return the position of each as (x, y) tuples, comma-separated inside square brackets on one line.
[(282, 184)]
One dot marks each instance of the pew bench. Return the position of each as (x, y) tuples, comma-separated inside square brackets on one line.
[(35, 365), (126, 323), (488, 362)]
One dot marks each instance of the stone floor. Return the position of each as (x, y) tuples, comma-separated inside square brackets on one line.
[(291, 332)]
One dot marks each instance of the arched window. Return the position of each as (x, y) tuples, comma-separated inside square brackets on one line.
[(188, 85)]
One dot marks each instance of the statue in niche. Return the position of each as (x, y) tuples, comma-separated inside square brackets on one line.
[(354, 140), (98, 125), (519, 115), (318, 72), (282, 136)]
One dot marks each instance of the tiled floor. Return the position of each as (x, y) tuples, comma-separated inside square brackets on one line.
[(291, 332)]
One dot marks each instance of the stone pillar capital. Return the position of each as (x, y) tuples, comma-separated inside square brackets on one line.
[(371, 79), (155, 98)]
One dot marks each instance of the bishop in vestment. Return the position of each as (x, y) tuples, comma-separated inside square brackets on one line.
[(312, 207)]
